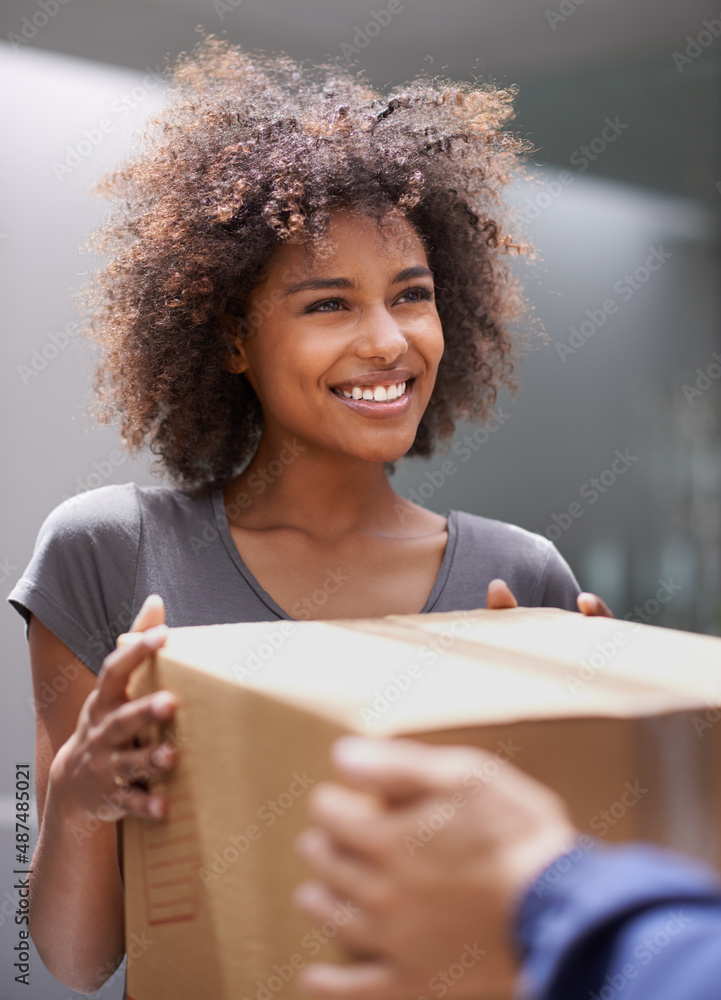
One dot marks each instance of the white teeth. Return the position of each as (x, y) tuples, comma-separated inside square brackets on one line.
[(378, 393)]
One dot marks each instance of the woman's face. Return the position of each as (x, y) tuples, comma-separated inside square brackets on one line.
[(332, 329)]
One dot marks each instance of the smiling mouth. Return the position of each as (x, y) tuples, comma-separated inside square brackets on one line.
[(375, 393)]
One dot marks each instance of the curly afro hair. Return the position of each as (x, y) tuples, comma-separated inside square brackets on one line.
[(250, 151)]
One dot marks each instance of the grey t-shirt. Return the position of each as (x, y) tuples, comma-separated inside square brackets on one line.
[(98, 555)]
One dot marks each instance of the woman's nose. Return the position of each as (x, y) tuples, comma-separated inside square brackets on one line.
[(381, 336)]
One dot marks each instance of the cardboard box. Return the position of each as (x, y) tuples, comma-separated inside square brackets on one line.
[(619, 718)]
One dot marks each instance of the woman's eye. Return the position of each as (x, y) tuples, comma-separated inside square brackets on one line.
[(419, 294), (327, 305)]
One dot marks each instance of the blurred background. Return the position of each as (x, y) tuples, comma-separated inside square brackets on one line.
[(611, 447)]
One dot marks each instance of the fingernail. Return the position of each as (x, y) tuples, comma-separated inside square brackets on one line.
[(162, 702), (156, 635), (155, 807), (160, 756)]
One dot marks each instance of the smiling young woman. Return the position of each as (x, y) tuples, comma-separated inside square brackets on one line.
[(362, 318), (306, 283)]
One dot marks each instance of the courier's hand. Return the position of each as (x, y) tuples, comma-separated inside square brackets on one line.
[(98, 766), (500, 597), (431, 864)]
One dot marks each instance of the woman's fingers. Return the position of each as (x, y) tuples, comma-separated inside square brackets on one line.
[(119, 665), (143, 764), (130, 800), (152, 613), (499, 596), (593, 606), (120, 726)]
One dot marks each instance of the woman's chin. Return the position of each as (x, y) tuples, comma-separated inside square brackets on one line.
[(387, 454)]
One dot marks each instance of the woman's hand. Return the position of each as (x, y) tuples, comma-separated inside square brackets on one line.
[(99, 766), (593, 606), (500, 597)]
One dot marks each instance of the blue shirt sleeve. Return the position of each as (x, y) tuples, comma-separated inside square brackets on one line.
[(633, 922)]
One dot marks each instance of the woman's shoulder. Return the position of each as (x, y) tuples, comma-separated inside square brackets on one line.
[(93, 509), (501, 535), (530, 564), (117, 507)]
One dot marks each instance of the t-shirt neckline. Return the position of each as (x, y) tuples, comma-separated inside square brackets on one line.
[(221, 521)]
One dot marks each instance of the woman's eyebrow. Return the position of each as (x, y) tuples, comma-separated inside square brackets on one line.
[(318, 283), (315, 284), (418, 271)]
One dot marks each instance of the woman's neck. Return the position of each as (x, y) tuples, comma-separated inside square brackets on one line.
[(325, 494)]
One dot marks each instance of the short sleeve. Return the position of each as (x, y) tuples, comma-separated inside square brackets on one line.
[(81, 578), (556, 587)]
